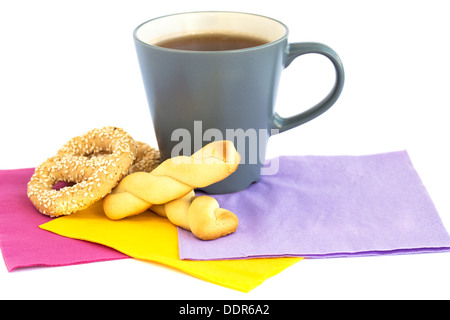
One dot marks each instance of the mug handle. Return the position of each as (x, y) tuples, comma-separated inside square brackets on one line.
[(295, 50)]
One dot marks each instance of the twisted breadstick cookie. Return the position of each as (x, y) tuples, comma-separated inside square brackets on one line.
[(200, 215), (171, 180), (176, 210)]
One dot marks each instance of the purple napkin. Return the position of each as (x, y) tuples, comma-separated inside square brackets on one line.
[(328, 206)]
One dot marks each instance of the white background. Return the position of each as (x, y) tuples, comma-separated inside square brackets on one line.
[(70, 66)]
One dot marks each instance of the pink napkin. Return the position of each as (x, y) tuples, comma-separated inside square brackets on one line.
[(329, 206), (24, 244)]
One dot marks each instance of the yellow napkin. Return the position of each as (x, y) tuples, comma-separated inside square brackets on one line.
[(150, 237)]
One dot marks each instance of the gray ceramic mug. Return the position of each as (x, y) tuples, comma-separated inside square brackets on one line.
[(196, 97)]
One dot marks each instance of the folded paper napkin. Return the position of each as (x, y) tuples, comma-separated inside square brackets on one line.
[(23, 244), (329, 206), (150, 237)]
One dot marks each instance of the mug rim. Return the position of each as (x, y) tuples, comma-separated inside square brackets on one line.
[(265, 45)]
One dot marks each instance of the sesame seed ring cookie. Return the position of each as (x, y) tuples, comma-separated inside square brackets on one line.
[(147, 158), (94, 163)]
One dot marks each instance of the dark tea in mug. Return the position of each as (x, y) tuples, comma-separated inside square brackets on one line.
[(212, 42)]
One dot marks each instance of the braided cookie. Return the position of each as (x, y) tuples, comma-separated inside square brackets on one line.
[(176, 210), (200, 215), (171, 180), (94, 163), (208, 221)]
